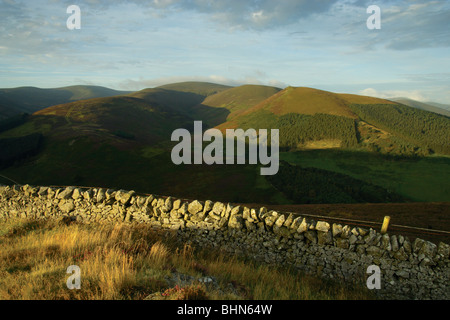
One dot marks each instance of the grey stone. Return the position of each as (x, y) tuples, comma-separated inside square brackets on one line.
[(177, 204), (168, 203), (386, 242), (303, 226), (311, 235), (394, 243), (374, 251), (280, 221), (322, 226), (270, 219), (289, 220), (352, 239), (337, 229), (444, 250), (218, 208), (402, 274), (262, 211), (194, 207), (66, 194), (66, 206), (342, 243), (324, 238), (101, 196)]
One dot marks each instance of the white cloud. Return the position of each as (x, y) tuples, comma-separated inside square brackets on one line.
[(388, 94)]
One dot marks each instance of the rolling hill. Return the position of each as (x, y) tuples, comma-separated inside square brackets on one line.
[(227, 104), (124, 142), (439, 105), (422, 106), (200, 88), (31, 99), (311, 101), (314, 119)]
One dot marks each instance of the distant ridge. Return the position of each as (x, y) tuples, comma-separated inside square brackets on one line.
[(201, 88), (423, 106), (31, 99)]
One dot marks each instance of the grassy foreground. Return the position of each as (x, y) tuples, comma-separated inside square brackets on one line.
[(134, 262)]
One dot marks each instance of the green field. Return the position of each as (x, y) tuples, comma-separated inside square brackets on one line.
[(419, 179)]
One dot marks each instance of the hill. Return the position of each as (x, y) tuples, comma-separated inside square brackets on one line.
[(200, 88), (124, 142), (315, 119), (311, 101), (439, 105), (123, 116), (227, 104), (31, 99), (306, 118), (177, 101), (7, 108), (422, 106), (413, 131)]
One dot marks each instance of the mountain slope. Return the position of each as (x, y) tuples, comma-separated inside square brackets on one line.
[(124, 142), (200, 88), (422, 106), (311, 101), (8, 108), (123, 116), (31, 99), (177, 101), (439, 105), (227, 104), (308, 118)]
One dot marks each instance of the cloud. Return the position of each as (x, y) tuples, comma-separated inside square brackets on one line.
[(410, 25), (254, 14), (389, 94)]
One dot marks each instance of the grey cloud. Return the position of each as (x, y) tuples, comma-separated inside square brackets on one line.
[(251, 14), (419, 28)]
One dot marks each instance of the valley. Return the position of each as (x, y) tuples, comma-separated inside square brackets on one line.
[(340, 141)]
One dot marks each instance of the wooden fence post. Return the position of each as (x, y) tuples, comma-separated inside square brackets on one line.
[(385, 224)]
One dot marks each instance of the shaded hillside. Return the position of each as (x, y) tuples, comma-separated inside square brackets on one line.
[(312, 185), (8, 108), (31, 99), (226, 105), (14, 149), (12, 122), (176, 101), (147, 122)]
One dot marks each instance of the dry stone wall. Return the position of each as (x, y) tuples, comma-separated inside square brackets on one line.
[(409, 270)]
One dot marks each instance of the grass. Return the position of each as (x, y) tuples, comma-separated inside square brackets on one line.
[(132, 262), (419, 179)]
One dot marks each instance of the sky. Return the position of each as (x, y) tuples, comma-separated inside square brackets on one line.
[(324, 44)]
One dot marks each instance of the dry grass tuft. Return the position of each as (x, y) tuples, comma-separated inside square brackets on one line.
[(133, 262)]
